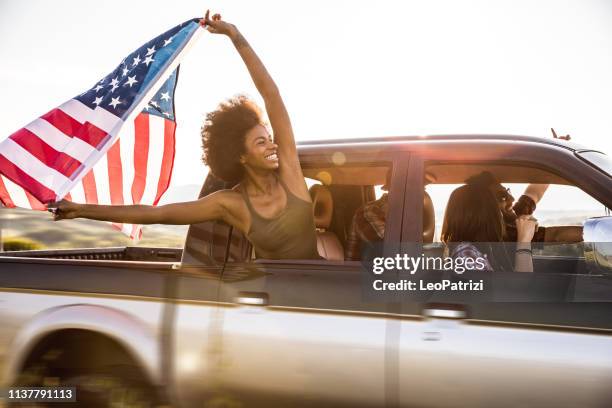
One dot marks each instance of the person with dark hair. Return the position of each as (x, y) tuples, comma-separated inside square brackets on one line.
[(473, 224), (270, 203), (525, 205), (368, 226)]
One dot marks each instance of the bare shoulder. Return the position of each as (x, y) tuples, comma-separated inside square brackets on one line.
[(236, 212), (228, 199)]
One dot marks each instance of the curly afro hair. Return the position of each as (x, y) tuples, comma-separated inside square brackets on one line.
[(223, 134)]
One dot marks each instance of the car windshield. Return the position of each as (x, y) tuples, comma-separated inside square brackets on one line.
[(597, 159)]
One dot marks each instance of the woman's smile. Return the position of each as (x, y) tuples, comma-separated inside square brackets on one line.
[(272, 157)]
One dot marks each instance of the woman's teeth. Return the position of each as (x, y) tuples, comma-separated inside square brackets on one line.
[(272, 157)]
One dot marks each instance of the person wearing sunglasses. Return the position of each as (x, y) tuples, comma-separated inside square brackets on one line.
[(525, 205), (474, 228)]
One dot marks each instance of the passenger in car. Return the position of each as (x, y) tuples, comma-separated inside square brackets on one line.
[(525, 205), (368, 226), (473, 225), (270, 203)]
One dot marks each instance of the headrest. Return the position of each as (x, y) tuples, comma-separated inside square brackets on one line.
[(429, 219), (323, 205)]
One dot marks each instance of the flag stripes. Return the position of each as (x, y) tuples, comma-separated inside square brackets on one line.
[(154, 159), (97, 118), (136, 169), (46, 154), (141, 157), (167, 163), (9, 169), (50, 157), (69, 126), (59, 141)]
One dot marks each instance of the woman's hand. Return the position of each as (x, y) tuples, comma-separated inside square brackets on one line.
[(217, 26), (526, 226), (63, 210), (555, 136)]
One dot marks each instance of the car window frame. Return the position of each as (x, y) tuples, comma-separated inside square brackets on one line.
[(576, 316), (415, 184)]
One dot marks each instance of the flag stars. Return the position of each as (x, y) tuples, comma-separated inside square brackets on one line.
[(114, 83), (153, 103), (98, 87), (130, 81), (125, 71), (114, 102), (136, 61), (150, 51), (98, 100), (168, 41), (167, 114), (165, 96), (148, 60)]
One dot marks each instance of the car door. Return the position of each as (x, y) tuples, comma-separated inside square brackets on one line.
[(299, 333), (551, 348), (508, 353)]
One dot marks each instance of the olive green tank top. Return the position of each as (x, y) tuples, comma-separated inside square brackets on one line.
[(290, 235)]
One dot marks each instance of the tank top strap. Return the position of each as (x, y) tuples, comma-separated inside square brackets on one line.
[(290, 195), (247, 200)]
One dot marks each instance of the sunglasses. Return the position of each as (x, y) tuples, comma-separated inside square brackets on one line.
[(504, 195)]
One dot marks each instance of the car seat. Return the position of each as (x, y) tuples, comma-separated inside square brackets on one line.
[(328, 244)]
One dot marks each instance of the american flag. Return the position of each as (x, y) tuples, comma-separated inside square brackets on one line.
[(112, 144)]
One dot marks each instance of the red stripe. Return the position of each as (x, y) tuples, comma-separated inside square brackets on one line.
[(141, 156), (89, 187), (18, 176), (72, 127), (117, 226), (34, 203), (59, 161), (167, 159), (115, 174), (136, 232), (5, 197)]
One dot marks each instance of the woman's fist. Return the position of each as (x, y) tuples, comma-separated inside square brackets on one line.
[(63, 210), (215, 25), (526, 227)]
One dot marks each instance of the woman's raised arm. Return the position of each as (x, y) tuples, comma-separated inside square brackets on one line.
[(275, 107)]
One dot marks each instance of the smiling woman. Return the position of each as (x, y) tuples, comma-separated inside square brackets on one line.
[(269, 202), (230, 130)]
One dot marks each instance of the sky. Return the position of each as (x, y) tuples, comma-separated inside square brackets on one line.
[(344, 68)]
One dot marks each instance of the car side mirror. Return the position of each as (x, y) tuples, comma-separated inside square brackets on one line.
[(597, 235)]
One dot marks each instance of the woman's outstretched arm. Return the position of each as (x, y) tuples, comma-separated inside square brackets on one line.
[(275, 107), (212, 207)]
